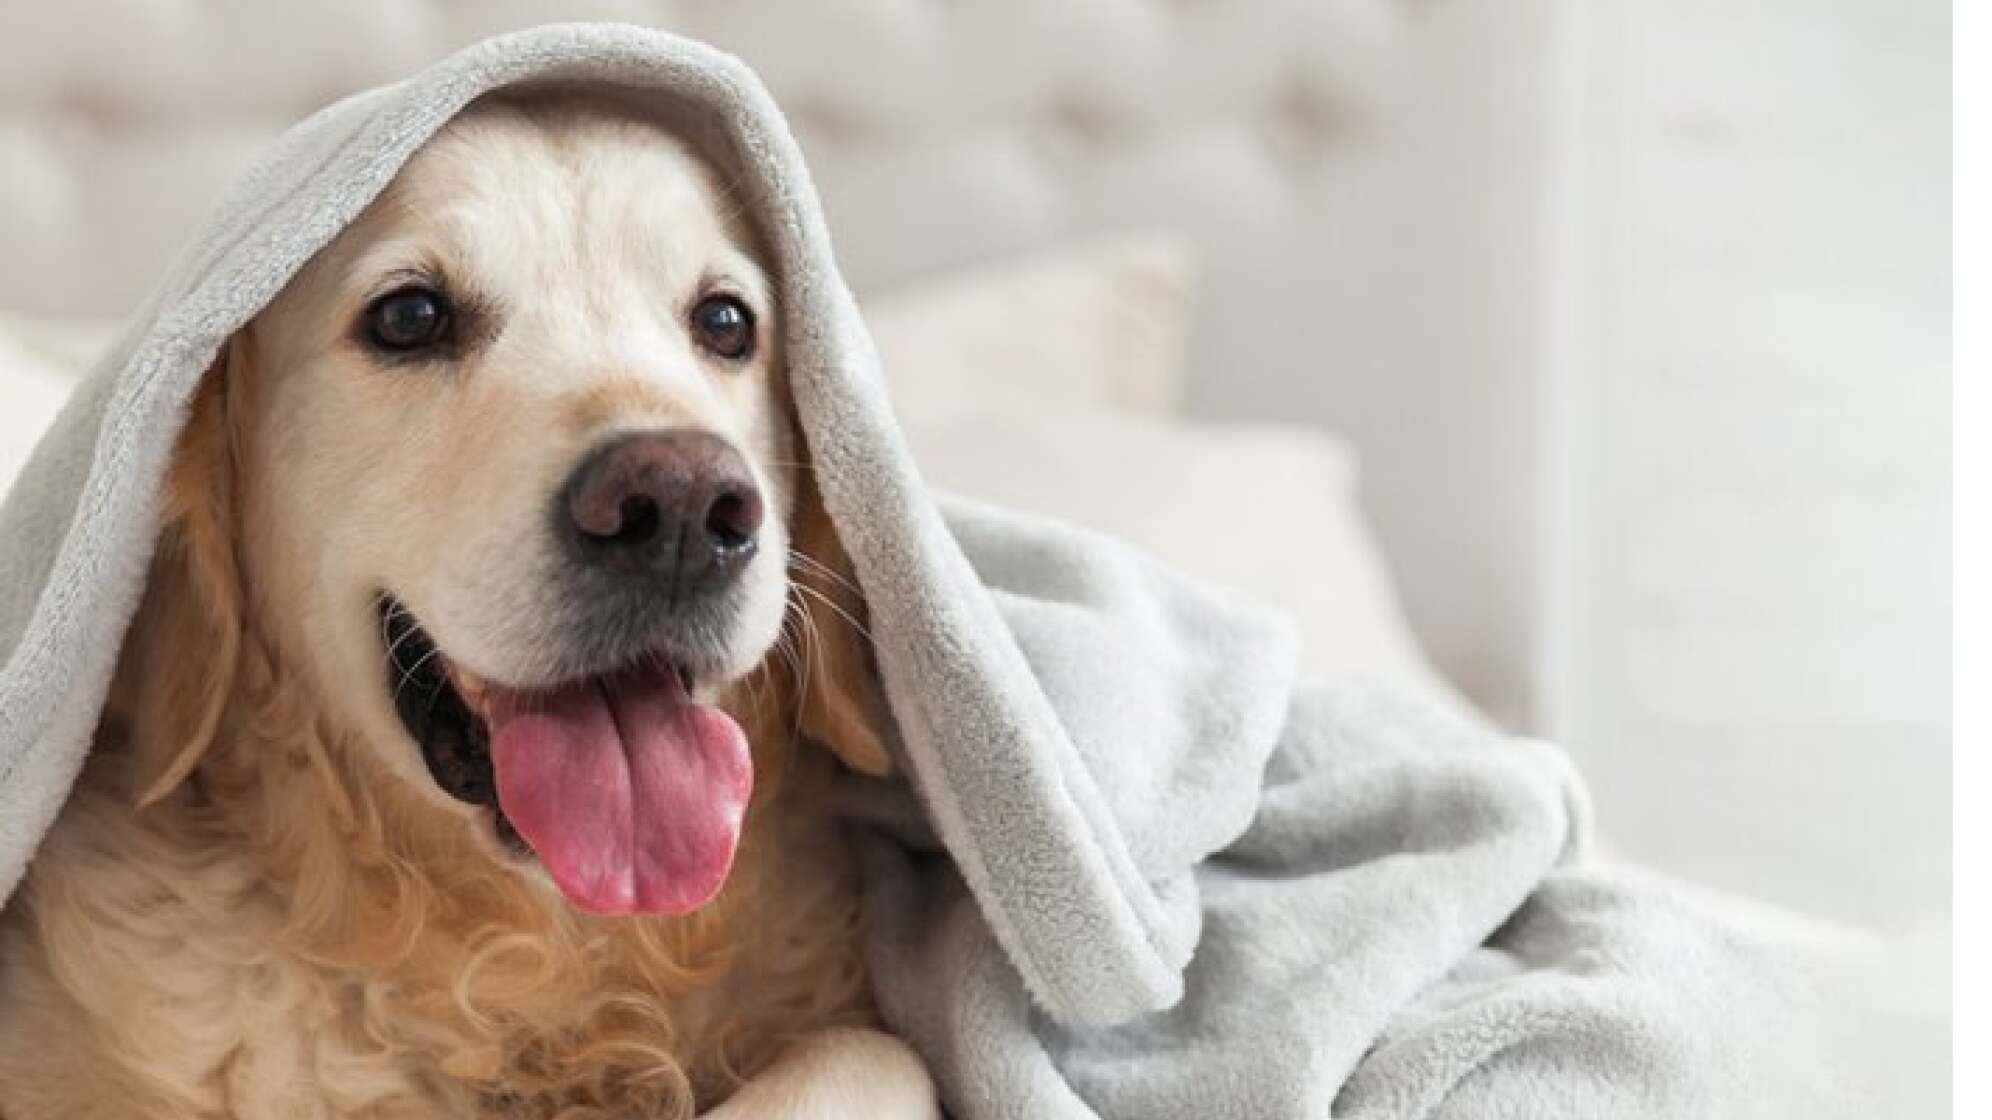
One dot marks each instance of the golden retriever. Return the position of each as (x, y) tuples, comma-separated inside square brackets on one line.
[(491, 579)]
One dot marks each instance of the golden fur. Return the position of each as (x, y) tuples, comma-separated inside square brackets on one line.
[(297, 923)]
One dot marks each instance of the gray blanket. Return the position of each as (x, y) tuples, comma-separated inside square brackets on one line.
[(1135, 869)]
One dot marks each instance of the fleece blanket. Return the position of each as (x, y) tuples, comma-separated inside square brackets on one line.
[(1133, 869)]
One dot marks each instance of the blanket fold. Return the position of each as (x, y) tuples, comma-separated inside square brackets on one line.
[(1134, 867)]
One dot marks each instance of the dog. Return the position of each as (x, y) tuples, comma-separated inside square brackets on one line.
[(468, 753)]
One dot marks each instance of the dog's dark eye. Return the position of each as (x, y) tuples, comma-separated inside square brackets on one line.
[(408, 319), (724, 326)]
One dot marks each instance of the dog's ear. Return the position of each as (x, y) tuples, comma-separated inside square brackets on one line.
[(842, 705), (178, 664)]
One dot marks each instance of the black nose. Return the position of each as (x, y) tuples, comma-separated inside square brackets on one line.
[(676, 508)]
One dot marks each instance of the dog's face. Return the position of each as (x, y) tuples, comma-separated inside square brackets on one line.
[(516, 477)]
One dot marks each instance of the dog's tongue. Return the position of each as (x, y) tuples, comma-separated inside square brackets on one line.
[(630, 794)]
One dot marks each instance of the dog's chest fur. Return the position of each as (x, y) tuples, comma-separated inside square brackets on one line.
[(206, 959)]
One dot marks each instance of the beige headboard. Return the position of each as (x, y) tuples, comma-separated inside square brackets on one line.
[(1372, 184)]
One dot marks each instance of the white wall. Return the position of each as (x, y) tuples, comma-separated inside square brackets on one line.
[(1755, 667)]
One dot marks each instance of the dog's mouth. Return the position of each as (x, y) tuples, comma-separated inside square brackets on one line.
[(629, 791)]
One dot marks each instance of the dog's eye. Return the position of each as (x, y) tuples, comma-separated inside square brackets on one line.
[(724, 326), (408, 319)]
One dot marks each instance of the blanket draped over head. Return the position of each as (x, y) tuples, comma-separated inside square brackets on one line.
[(1133, 868)]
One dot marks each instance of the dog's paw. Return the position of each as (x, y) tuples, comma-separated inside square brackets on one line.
[(847, 1072)]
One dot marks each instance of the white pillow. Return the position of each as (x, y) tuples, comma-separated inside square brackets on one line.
[(1098, 327), (1266, 509)]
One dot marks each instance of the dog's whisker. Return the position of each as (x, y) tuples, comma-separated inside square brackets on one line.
[(835, 584), (409, 674), (436, 693), (812, 565), (833, 578), (832, 604), (394, 647), (791, 659), (809, 638)]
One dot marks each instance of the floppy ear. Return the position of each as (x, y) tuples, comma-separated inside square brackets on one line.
[(842, 706), (178, 664)]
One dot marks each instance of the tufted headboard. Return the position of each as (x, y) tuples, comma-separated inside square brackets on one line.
[(1372, 183)]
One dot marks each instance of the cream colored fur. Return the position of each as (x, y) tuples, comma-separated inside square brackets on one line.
[(258, 903)]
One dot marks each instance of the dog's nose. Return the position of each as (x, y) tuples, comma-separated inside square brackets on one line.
[(677, 507)]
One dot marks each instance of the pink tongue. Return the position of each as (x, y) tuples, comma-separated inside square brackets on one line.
[(630, 794)]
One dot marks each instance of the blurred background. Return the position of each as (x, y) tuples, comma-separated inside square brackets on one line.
[(1586, 360)]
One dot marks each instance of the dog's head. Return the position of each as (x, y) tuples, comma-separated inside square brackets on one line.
[(509, 476)]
